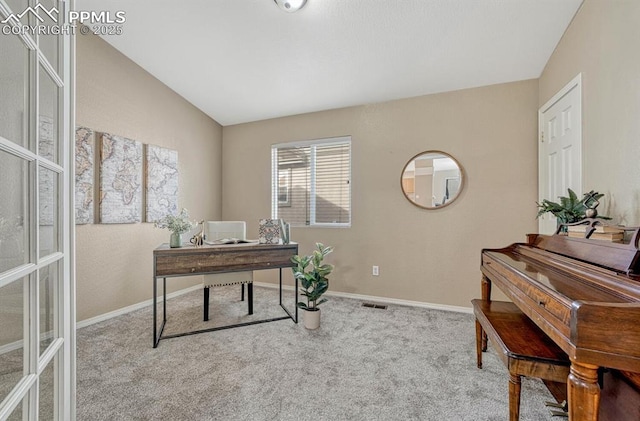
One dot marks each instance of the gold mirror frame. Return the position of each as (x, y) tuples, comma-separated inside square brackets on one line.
[(449, 179)]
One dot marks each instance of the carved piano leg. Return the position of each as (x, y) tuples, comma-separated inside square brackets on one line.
[(480, 336), (486, 296), (485, 285), (584, 392), (514, 397)]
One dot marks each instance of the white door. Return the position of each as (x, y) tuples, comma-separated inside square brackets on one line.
[(560, 148), (37, 342)]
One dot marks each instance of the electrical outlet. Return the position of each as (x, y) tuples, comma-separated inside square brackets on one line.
[(376, 271)]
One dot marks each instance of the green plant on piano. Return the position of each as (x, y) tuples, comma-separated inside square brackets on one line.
[(570, 209)]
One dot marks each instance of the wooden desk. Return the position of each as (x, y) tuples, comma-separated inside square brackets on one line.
[(189, 260)]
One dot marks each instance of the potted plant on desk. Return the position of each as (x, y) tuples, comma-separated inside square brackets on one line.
[(177, 224), (312, 274)]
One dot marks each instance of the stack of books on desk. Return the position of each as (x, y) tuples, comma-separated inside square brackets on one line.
[(602, 232)]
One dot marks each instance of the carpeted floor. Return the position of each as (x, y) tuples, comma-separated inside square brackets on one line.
[(402, 363)]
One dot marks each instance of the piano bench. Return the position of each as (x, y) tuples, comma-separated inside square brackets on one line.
[(523, 347)]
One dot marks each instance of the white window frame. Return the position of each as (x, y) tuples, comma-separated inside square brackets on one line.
[(312, 144)]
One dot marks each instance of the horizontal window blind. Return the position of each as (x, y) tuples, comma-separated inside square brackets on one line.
[(311, 182)]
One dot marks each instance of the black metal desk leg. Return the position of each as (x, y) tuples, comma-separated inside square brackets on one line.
[(164, 299), (206, 305), (155, 312), (280, 287), (250, 296), (295, 300)]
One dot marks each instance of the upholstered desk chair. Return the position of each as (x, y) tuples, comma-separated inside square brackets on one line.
[(218, 232)]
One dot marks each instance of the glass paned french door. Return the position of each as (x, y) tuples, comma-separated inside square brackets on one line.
[(14, 76), (12, 353), (15, 226), (37, 342)]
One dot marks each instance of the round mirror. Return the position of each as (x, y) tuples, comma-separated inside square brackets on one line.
[(432, 179)]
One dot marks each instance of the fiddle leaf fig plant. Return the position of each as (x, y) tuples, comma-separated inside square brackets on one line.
[(570, 209), (312, 274)]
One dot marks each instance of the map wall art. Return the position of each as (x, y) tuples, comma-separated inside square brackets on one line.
[(162, 182), (120, 180), (85, 175)]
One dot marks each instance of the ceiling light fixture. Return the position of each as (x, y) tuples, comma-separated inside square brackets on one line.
[(290, 5)]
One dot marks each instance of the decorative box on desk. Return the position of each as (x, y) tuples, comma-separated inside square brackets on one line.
[(269, 231)]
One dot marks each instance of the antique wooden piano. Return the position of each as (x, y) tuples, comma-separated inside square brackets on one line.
[(585, 295)]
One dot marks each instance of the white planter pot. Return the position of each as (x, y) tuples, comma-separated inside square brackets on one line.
[(311, 319)]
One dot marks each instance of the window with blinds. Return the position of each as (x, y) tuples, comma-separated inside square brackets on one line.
[(311, 182)]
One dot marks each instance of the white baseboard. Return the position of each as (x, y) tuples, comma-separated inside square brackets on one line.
[(134, 307), (372, 298), (384, 300), (19, 344)]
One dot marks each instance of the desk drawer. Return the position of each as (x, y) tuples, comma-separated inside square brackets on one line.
[(212, 261)]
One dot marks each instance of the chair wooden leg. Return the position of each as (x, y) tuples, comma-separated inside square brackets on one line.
[(479, 336), (250, 296), (514, 397), (242, 293), (206, 304)]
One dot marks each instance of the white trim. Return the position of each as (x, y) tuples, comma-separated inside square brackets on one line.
[(12, 346), (51, 166), (274, 182), (312, 184), (49, 354), (26, 269), (49, 259), (68, 358), (372, 298), (51, 72), (323, 141), (17, 273), (133, 307), (19, 344), (384, 300), (17, 150)]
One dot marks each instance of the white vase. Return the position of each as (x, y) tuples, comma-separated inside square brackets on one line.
[(311, 319)]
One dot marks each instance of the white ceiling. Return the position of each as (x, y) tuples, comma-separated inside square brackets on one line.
[(247, 60)]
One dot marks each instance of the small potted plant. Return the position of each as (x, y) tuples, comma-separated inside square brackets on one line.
[(570, 209), (177, 224), (312, 274)]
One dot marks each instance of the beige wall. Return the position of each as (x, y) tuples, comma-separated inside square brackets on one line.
[(602, 44), (115, 95), (424, 255), (429, 256)]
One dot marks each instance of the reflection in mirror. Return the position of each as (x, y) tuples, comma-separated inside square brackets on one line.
[(432, 179)]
